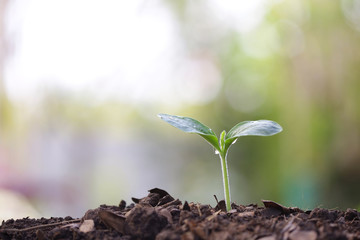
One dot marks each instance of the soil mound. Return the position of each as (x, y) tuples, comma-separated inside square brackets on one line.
[(159, 216)]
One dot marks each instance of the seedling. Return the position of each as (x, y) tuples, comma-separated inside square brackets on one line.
[(222, 145)]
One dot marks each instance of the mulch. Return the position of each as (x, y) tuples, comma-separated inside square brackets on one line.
[(159, 216)]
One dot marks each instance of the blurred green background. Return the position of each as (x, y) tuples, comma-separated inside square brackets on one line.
[(81, 83)]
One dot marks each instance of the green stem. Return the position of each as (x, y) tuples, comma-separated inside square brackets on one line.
[(225, 175)]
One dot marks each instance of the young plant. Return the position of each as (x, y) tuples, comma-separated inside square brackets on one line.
[(222, 145)]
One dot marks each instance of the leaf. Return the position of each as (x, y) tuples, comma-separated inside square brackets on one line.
[(283, 209), (186, 124), (252, 128), (191, 125), (112, 220)]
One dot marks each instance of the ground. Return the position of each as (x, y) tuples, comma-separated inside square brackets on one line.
[(159, 216)]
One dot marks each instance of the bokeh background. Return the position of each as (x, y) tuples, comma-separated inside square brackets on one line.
[(81, 83)]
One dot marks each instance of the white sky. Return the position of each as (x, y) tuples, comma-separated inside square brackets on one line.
[(129, 50)]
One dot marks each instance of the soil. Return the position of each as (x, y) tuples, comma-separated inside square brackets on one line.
[(159, 216)]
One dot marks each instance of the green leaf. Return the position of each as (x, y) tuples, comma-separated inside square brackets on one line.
[(252, 128), (191, 125)]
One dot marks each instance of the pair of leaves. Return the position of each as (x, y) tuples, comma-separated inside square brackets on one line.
[(246, 128)]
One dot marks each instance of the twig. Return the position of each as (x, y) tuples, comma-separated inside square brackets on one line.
[(198, 208), (216, 199), (174, 202), (39, 226)]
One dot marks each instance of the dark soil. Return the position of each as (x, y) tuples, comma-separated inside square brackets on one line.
[(160, 216)]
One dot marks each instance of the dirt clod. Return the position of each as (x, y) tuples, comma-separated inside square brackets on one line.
[(144, 222)]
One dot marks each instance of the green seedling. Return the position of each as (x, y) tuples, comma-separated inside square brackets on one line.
[(222, 145)]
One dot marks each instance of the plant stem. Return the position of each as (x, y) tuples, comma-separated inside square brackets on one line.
[(225, 175)]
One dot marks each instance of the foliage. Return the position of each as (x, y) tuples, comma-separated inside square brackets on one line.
[(222, 145)]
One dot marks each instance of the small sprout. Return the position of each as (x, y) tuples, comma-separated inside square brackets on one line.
[(222, 145)]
